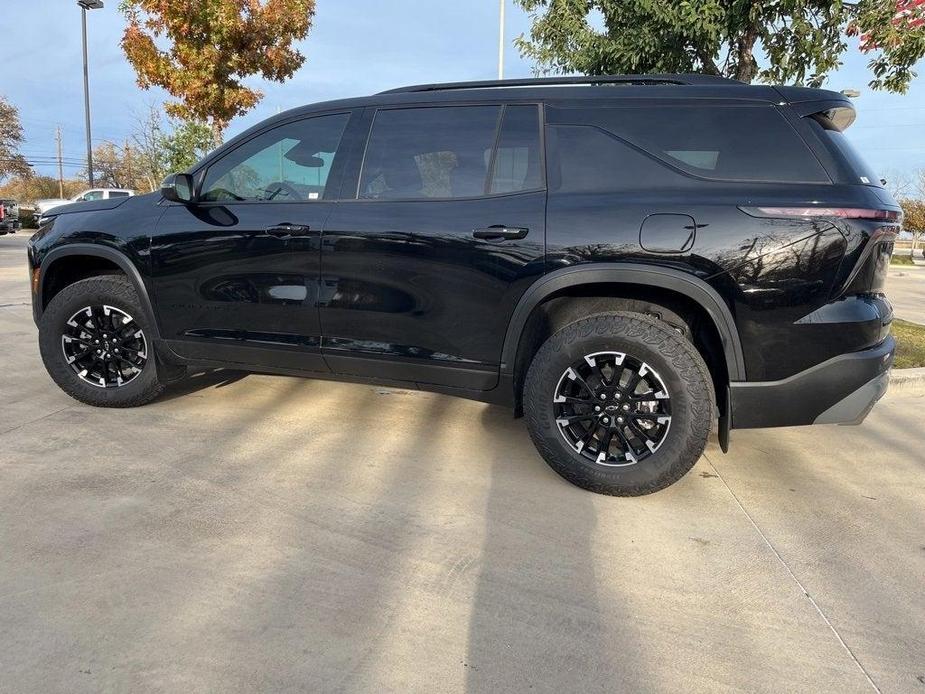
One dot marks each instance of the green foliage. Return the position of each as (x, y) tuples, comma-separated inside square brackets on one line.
[(801, 41), (910, 344), (189, 142)]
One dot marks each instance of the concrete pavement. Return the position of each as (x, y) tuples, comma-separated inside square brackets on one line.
[(905, 286), (255, 533)]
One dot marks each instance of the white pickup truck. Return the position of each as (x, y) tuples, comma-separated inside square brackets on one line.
[(43, 207)]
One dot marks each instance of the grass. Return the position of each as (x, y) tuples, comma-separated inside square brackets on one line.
[(901, 259), (910, 344)]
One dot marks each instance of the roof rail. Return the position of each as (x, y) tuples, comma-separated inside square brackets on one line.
[(686, 79)]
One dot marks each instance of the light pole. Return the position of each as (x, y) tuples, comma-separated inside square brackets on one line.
[(501, 39), (84, 6)]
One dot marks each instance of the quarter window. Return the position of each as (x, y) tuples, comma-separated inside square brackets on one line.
[(441, 152), (735, 143), (290, 163), (517, 159)]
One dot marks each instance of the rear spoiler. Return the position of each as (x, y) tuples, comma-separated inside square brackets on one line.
[(835, 107)]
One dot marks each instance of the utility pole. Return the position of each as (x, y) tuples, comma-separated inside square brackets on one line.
[(127, 156), (60, 163), (501, 39)]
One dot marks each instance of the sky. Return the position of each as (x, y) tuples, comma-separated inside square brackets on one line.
[(354, 48)]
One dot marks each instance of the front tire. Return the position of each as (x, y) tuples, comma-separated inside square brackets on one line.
[(619, 404), (96, 343)]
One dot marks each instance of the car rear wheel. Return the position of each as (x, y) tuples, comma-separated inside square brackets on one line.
[(619, 404), (95, 342)]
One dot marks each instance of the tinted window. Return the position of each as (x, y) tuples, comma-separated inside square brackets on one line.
[(285, 164), (118, 194), (589, 160), (843, 148), (740, 143), (429, 153), (517, 159)]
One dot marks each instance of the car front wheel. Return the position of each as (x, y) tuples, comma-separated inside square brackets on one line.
[(619, 403), (96, 344)]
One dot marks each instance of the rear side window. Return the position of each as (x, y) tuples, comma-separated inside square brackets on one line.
[(733, 143), (118, 194), (452, 152), (439, 152)]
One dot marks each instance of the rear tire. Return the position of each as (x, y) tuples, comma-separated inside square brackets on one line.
[(619, 404), (104, 357)]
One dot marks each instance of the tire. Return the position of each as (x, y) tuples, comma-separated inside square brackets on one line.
[(111, 299), (670, 407)]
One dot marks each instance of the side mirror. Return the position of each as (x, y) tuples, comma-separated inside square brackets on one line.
[(178, 187)]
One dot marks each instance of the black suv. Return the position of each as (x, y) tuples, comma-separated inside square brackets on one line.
[(626, 260)]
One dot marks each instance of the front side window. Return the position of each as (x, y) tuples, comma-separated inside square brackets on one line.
[(290, 163), (92, 195), (442, 152)]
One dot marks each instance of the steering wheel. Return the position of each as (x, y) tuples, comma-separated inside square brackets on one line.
[(280, 186)]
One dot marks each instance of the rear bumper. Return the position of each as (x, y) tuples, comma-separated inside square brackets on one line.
[(841, 390)]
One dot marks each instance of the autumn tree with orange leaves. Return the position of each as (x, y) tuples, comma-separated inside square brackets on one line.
[(200, 52)]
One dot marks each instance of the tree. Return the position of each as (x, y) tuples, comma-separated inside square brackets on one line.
[(26, 190), (914, 219), (112, 166), (210, 46), (189, 142), (800, 40), (148, 141), (12, 163)]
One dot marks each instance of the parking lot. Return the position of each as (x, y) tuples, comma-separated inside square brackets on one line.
[(257, 533)]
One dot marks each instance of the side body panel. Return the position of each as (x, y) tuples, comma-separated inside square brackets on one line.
[(406, 282)]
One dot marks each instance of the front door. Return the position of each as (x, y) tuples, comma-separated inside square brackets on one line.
[(236, 274), (422, 270)]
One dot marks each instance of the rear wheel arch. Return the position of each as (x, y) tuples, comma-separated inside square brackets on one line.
[(670, 295)]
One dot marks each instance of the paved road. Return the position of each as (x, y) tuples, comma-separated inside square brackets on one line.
[(905, 287), (276, 534)]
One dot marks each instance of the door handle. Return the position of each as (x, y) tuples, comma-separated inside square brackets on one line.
[(500, 231), (286, 229)]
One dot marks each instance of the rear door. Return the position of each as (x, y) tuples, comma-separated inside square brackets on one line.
[(422, 268), (236, 274)]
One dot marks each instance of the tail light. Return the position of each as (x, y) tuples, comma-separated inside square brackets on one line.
[(894, 216)]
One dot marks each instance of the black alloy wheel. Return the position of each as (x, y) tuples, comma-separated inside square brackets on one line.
[(613, 409), (104, 346)]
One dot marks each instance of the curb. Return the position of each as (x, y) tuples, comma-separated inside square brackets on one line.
[(908, 381)]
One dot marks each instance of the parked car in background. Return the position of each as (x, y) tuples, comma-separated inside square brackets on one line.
[(9, 216), (625, 260), (43, 207)]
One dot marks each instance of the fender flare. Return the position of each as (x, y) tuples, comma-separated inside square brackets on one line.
[(109, 253), (635, 274)]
